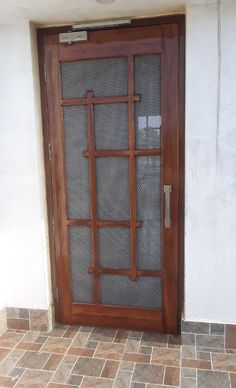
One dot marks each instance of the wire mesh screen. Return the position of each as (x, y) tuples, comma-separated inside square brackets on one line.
[(106, 77), (147, 70), (111, 126), (77, 167), (148, 178), (114, 247), (113, 188), (122, 291), (80, 261)]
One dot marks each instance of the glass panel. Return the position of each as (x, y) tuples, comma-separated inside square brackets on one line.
[(113, 188), (80, 261), (77, 167), (122, 291), (148, 172), (105, 77), (148, 111), (111, 126), (114, 247)]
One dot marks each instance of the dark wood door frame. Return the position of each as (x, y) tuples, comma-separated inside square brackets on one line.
[(43, 35)]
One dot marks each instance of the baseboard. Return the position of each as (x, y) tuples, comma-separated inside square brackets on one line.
[(26, 319)]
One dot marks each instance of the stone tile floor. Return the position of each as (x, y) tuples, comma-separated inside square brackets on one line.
[(204, 356)]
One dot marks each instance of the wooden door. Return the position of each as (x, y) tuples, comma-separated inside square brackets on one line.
[(113, 119)]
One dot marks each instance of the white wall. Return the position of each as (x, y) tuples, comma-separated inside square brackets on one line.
[(23, 231), (210, 243)]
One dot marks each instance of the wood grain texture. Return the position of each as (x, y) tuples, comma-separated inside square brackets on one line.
[(93, 195), (132, 169), (147, 36)]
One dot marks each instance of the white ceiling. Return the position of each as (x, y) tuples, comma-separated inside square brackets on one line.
[(51, 12)]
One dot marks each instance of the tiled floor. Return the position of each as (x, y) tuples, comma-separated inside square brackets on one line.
[(105, 358)]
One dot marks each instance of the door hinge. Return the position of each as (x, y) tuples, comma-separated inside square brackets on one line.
[(45, 72), (50, 152), (57, 295)]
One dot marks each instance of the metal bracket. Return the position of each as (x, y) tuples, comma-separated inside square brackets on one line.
[(75, 36)]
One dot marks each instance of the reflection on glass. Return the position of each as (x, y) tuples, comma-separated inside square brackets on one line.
[(147, 70), (149, 128)]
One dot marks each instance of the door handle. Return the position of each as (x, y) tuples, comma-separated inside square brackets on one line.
[(167, 191)]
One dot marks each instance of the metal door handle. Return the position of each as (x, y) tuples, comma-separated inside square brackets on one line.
[(167, 191)]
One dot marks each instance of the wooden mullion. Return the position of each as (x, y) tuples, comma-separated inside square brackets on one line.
[(79, 223), (132, 173), (108, 153), (122, 153), (125, 272), (122, 224), (93, 195), (98, 100), (151, 152), (103, 223)]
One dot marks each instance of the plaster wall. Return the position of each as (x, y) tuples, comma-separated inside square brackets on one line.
[(210, 245), (23, 221)]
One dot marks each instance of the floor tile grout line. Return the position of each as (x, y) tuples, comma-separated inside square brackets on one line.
[(114, 336), (164, 375), (13, 366), (46, 361), (102, 368), (180, 367), (211, 361), (204, 334), (17, 359), (197, 378), (132, 374), (17, 381), (230, 384), (53, 374), (116, 374), (7, 355)]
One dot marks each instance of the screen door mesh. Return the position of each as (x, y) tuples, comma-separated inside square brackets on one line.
[(122, 291), (80, 261), (105, 77), (77, 167), (114, 247), (111, 126), (108, 77), (113, 188), (148, 178), (147, 112)]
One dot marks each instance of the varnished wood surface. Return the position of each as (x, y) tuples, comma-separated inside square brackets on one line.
[(125, 272), (159, 39), (117, 317), (104, 223), (122, 153), (93, 196), (98, 100)]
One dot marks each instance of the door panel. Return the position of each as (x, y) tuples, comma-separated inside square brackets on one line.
[(113, 122)]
